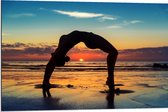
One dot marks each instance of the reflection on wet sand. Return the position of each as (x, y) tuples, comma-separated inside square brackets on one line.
[(46, 92), (80, 90), (110, 100), (111, 95), (49, 101)]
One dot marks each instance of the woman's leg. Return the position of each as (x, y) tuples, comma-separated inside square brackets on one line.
[(48, 71), (111, 60)]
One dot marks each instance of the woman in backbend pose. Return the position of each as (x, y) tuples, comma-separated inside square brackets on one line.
[(92, 41)]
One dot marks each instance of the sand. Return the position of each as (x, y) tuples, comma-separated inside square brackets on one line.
[(87, 91)]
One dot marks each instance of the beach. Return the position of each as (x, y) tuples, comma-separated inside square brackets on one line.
[(82, 88), (82, 38)]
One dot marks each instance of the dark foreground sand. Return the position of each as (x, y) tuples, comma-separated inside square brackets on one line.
[(87, 90)]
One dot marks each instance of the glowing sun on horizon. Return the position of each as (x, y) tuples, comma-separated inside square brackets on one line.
[(81, 60)]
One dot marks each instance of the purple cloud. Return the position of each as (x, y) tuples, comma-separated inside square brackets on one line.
[(17, 50)]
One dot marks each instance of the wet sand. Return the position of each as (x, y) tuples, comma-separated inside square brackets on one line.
[(87, 91)]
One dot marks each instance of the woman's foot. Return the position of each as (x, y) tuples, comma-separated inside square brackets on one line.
[(46, 85), (110, 84)]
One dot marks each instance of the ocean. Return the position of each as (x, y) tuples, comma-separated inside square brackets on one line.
[(75, 66)]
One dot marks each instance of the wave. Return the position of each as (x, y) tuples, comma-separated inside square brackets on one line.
[(82, 66)]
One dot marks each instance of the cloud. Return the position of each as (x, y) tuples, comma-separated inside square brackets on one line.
[(131, 22), (23, 45), (4, 34), (124, 23), (21, 15), (38, 50), (145, 54), (135, 21), (22, 51), (41, 8), (15, 45), (105, 17), (77, 14), (114, 27)]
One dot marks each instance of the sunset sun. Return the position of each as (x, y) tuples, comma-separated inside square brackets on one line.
[(81, 60)]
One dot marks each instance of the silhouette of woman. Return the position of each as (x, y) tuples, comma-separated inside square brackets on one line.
[(92, 41)]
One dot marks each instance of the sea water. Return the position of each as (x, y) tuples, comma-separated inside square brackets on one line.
[(100, 66)]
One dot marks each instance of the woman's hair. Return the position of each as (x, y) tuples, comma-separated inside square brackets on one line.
[(67, 58)]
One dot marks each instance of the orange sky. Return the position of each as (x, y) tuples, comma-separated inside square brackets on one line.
[(21, 51)]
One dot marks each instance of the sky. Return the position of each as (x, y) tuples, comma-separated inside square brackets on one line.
[(35, 24)]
